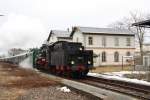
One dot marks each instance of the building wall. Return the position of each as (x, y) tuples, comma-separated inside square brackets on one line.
[(146, 47), (110, 41), (53, 38), (78, 37), (61, 39), (110, 47), (110, 56)]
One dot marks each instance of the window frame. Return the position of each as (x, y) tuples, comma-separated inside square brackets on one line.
[(90, 40), (128, 53), (116, 39), (104, 56), (116, 56), (104, 41), (128, 41)]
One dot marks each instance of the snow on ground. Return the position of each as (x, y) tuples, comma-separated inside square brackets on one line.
[(122, 73), (119, 76), (64, 89)]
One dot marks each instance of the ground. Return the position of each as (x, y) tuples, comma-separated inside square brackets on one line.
[(22, 84)]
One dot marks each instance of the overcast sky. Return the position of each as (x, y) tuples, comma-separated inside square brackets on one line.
[(27, 22)]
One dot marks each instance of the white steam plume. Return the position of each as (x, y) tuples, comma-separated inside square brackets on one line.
[(27, 63)]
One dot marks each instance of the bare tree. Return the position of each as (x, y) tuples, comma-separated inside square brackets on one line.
[(139, 32), (126, 23), (15, 51)]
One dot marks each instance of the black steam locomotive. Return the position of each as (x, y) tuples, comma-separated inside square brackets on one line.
[(64, 58)]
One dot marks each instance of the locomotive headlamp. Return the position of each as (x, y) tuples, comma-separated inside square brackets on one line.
[(80, 48), (89, 62), (72, 62), (43, 59)]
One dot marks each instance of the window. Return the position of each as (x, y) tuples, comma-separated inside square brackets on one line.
[(116, 57), (90, 40), (116, 41), (128, 54), (77, 39), (103, 56), (128, 41), (103, 41)]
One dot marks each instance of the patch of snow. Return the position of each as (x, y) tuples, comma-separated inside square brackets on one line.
[(122, 73), (64, 89), (36, 70), (119, 77), (93, 74)]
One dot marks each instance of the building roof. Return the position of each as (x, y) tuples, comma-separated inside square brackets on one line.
[(145, 23), (59, 34), (109, 31), (89, 30)]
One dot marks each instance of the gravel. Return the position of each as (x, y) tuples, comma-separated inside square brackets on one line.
[(51, 93), (21, 84)]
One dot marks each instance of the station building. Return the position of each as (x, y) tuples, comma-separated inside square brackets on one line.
[(108, 44)]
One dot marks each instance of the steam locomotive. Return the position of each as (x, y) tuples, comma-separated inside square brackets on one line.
[(64, 58)]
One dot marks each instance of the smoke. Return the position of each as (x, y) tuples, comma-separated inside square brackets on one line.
[(19, 31), (27, 63)]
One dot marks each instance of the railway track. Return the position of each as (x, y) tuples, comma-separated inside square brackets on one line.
[(139, 91), (136, 90)]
